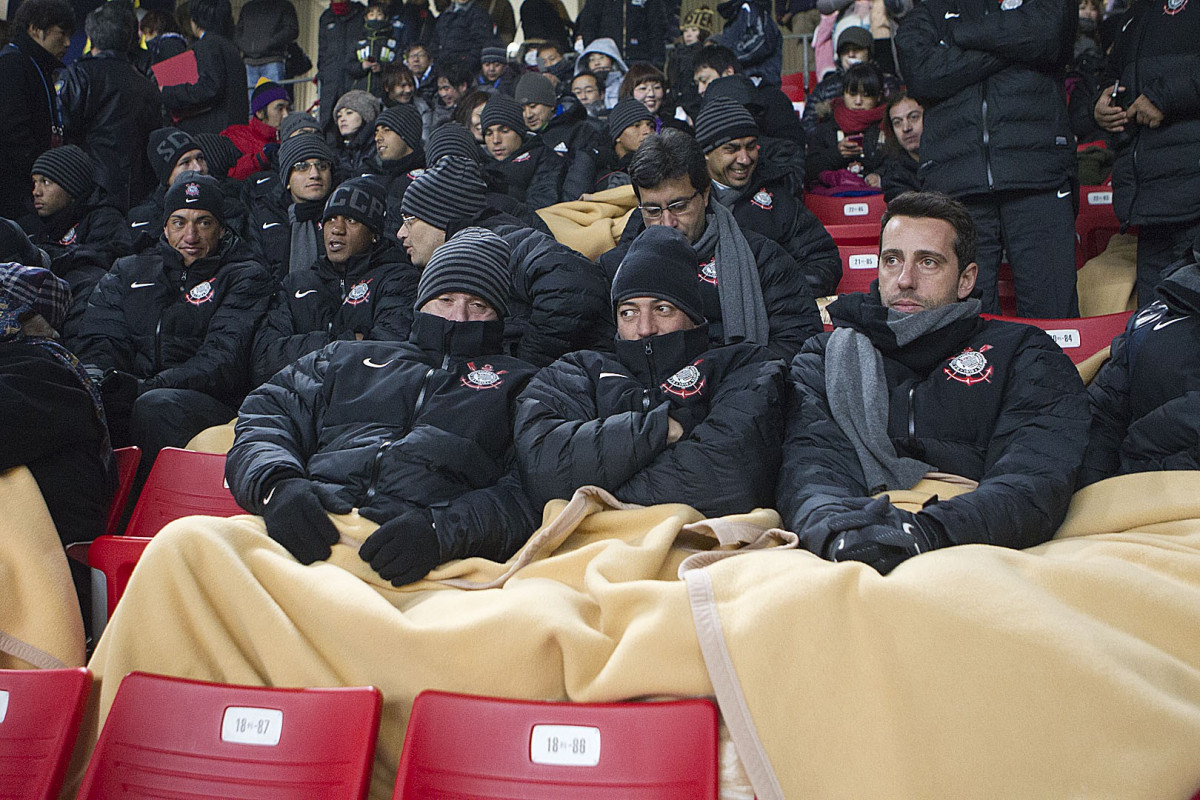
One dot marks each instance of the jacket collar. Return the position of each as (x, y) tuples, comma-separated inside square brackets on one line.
[(654, 359), (444, 339)]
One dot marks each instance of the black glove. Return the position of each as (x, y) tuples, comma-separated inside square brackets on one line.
[(296, 519), (403, 549), (882, 535)]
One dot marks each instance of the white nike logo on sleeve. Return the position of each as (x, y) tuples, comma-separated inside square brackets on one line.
[(270, 225), (138, 224), (368, 362), (137, 285), (263, 180), (299, 294), (1161, 325), (951, 15), (1061, 195)]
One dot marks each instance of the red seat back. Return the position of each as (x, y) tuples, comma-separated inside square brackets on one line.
[(477, 748), (1079, 338), (170, 737), (847, 210), (114, 557), (860, 266), (1096, 223), (128, 459), (182, 483), (40, 712)]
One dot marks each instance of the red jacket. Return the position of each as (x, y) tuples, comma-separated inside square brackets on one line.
[(250, 139)]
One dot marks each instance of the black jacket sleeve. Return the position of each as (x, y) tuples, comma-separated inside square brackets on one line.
[(104, 339), (1037, 33), (1108, 397), (489, 523), (933, 68), (792, 314), (277, 342), (210, 87)]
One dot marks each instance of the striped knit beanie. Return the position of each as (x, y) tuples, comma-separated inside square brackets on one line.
[(452, 189), (220, 153), (493, 55), (500, 109), (363, 199), (296, 121), (626, 113), (452, 139), (405, 121), (302, 147), (474, 261), (722, 120), (69, 167), (165, 148)]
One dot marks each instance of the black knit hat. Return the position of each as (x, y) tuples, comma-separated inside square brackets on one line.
[(660, 264), (196, 192), (15, 246), (220, 153), (626, 113), (294, 122), (452, 139), (265, 92), (474, 261), (722, 120), (302, 147), (363, 199), (500, 109), (405, 120), (166, 147), (68, 166), (452, 189), (493, 55), (534, 87), (735, 87)]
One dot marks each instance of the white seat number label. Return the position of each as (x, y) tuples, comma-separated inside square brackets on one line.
[(863, 261), (3, 705), (1066, 338), (1099, 198), (856, 209), (565, 745), (243, 725)]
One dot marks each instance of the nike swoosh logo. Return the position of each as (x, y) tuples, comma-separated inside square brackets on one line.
[(908, 528), (368, 362), (612, 375), (1161, 325), (138, 224), (1061, 195), (137, 285), (299, 294), (192, 200), (263, 180), (270, 225), (951, 15)]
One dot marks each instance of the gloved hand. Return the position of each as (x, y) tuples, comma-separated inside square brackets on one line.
[(882, 535), (403, 549), (296, 519)]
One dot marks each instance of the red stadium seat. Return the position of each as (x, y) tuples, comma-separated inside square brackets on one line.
[(860, 266), (1079, 338), (481, 748), (834, 211), (112, 559), (40, 711), (170, 737), (1096, 223), (793, 86), (128, 459), (182, 483)]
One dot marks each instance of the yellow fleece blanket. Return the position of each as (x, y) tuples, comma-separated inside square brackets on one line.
[(1069, 670), (592, 226)]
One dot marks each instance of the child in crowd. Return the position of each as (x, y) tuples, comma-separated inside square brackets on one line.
[(847, 144), (697, 27), (603, 59), (379, 46)]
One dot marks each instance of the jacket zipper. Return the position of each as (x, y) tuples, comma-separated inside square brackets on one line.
[(912, 413), (987, 155), (385, 446), (649, 350)]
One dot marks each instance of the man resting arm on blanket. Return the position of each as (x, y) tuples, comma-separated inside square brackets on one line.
[(913, 381), (416, 434)]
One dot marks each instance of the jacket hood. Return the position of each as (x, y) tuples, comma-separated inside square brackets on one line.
[(604, 46), (1181, 289)]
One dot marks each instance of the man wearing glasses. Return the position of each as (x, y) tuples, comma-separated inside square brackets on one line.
[(752, 290)]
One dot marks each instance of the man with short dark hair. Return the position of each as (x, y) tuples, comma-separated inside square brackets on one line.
[(779, 116), (534, 174), (452, 80), (753, 290), (399, 157), (913, 383)]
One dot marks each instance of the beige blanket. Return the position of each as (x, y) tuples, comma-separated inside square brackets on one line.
[(591, 226), (1070, 670)]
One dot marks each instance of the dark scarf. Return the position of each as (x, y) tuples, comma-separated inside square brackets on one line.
[(856, 120)]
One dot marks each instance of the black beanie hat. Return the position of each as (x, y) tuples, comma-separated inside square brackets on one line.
[(660, 264), (295, 121), (363, 199), (68, 166), (625, 113), (194, 191), (534, 87), (493, 55), (474, 261), (452, 189), (735, 87), (166, 147), (405, 120), (452, 139), (722, 120), (220, 153), (302, 147), (500, 109)]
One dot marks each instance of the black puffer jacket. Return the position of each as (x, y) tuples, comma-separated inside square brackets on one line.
[(1146, 398), (146, 220), (590, 418), (337, 36), (533, 175), (1012, 416), (266, 201), (991, 82), (639, 27), (463, 32), (385, 426), (571, 135), (30, 106), (177, 327), (265, 28), (396, 175), (218, 98), (1156, 178), (372, 295)]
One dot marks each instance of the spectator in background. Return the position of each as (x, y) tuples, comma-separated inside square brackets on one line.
[(647, 84), (847, 143), (417, 22), (751, 33), (563, 127), (635, 29), (550, 62), (697, 27), (453, 83), (32, 122), (463, 30), (602, 59), (468, 112), (354, 118), (265, 28), (399, 158), (400, 89), (495, 75), (161, 34), (259, 139), (378, 47), (546, 21), (339, 29), (853, 47), (586, 88), (629, 123), (218, 98), (504, 22), (897, 173), (417, 59), (109, 108), (778, 116)]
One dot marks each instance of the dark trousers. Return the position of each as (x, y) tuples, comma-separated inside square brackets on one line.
[(1037, 229), (170, 418), (1157, 247)]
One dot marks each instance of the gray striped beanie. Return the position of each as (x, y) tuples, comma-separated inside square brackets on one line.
[(69, 167), (452, 139), (474, 261), (626, 113), (500, 109), (452, 189), (722, 120), (405, 120), (302, 147)]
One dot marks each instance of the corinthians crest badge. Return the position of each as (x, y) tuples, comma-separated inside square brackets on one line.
[(763, 199), (970, 366), (686, 382), (1173, 7), (359, 293), (708, 271), (200, 293), (482, 377)]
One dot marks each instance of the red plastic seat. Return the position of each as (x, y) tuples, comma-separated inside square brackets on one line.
[(182, 483), (171, 737), (1096, 223), (482, 748), (1079, 338), (40, 712), (834, 211), (860, 266), (114, 558), (128, 459)]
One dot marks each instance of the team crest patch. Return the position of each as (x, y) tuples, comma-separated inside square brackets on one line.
[(68, 237), (482, 377), (416, 173), (359, 293), (970, 366), (191, 190), (522, 157), (200, 294), (1173, 7), (763, 199), (708, 271), (685, 383)]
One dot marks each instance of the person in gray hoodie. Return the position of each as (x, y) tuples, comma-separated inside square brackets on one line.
[(603, 59)]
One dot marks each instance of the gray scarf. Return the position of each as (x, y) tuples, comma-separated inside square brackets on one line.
[(743, 312), (304, 250), (858, 393)]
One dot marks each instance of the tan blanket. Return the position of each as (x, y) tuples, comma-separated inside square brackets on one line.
[(1106, 283), (593, 226), (1070, 670), (40, 623)]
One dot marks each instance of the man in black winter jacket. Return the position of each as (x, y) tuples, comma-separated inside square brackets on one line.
[(265, 28), (559, 299), (218, 98), (399, 157), (534, 174), (339, 29), (669, 419), (171, 328), (563, 127), (997, 135), (362, 288), (753, 290), (463, 30), (639, 27), (417, 435), (914, 383)]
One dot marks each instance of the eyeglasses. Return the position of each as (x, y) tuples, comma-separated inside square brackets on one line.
[(676, 208), (407, 219), (305, 166)]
